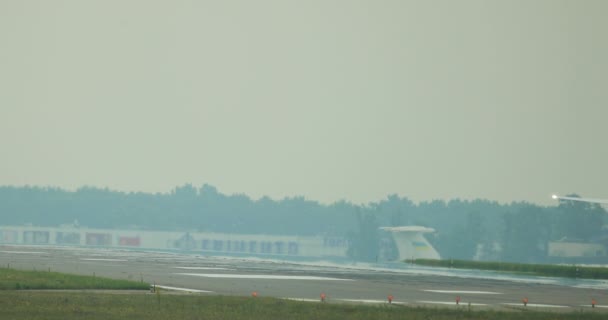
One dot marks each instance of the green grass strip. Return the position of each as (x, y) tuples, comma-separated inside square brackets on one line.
[(65, 306), (550, 270), (11, 279)]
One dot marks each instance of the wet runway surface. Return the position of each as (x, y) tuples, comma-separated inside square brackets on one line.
[(361, 283)]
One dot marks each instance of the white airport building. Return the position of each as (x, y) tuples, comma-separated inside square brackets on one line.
[(409, 240)]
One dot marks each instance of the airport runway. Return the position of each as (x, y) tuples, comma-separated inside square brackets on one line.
[(360, 283)]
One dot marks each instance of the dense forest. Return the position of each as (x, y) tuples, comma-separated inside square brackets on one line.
[(478, 229)]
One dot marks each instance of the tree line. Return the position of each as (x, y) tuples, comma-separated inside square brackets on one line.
[(465, 229)]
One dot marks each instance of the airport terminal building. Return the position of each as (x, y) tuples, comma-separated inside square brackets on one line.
[(409, 241)]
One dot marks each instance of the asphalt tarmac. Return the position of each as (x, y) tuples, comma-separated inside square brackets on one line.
[(341, 283)]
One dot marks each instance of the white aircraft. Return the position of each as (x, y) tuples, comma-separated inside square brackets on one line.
[(602, 201), (411, 244)]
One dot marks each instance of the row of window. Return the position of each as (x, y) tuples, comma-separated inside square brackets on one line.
[(43, 237), (243, 246)]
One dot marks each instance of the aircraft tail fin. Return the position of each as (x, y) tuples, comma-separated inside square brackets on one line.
[(411, 242)]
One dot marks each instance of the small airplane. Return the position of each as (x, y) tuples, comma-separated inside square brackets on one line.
[(602, 201)]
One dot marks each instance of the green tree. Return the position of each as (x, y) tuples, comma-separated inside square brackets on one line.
[(363, 244), (577, 220), (526, 235)]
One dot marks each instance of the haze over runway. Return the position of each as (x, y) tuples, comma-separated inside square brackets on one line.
[(346, 99), (306, 281)]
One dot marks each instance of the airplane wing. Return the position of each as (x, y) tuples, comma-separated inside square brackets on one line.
[(602, 201)]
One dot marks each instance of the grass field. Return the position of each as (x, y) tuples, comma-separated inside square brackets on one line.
[(11, 279), (18, 303), (61, 305), (549, 270)]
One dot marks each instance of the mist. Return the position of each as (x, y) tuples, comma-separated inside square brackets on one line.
[(471, 230)]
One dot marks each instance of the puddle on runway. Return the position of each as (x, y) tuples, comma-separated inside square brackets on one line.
[(183, 289), (536, 305), (370, 301), (204, 268), (462, 292), (453, 303), (24, 252), (260, 276), (303, 299), (104, 259), (597, 306)]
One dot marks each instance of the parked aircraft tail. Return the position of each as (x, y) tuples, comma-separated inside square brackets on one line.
[(411, 243)]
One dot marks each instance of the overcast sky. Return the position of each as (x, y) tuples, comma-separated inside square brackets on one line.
[(355, 100)]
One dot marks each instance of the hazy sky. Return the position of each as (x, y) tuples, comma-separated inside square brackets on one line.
[(504, 100)]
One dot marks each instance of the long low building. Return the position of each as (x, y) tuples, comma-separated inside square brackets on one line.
[(279, 246), (568, 249)]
